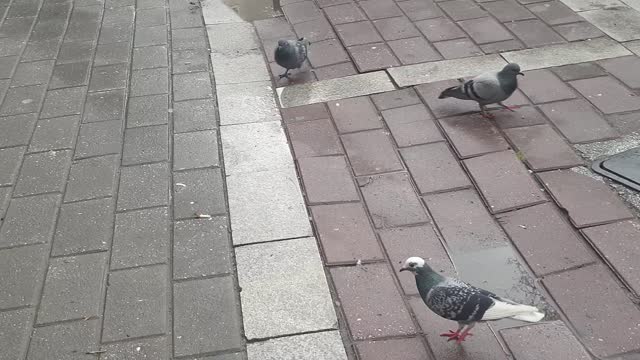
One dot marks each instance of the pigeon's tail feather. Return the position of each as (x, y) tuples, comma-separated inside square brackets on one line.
[(502, 309), (454, 91), (533, 316)]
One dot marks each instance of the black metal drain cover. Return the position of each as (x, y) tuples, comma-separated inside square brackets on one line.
[(623, 168)]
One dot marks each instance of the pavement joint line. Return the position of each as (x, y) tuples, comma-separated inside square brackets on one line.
[(269, 241), (258, 340)]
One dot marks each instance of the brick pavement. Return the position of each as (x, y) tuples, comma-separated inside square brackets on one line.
[(108, 151)]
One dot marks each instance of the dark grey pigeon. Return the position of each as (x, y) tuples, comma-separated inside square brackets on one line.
[(291, 54), (456, 300), (488, 88)]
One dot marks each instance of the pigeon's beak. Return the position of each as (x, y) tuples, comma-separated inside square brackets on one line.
[(520, 74), (403, 269)]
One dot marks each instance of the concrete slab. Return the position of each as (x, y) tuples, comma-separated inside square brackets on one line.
[(284, 290), (255, 147), (247, 103), (334, 89), (583, 5), (217, 12), (621, 23), (633, 3), (323, 345), (232, 38), (266, 206), (634, 46), (234, 69), (445, 69), (564, 54)]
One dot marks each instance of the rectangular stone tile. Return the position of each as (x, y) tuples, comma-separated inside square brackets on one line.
[(402, 243), (76, 51), (143, 186), (55, 134), (152, 348), (32, 73), (102, 106), (325, 344), (542, 86), (147, 110), (545, 239), (502, 46), (473, 135), (276, 209), (201, 247), (420, 10), (434, 168), (327, 179), (187, 61), (84, 23), (414, 50), (559, 342), (7, 65), (621, 23), (605, 330), (541, 148), (140, 238), (377, 56), (395, 99), (154, 35), (485, 30), (185, 18), (194, 115), (71, 74), (24, 269), (503, 181), (304, 113), (315, 30), (534, 33), (149, 82), (382, 312), (65, 341), (607, 94), (411, 125), (391, 200), (230, 37), (616, 67), (462, 10), (314, 138), (371, 152), (10, 161), (108, 77), (354, 114), (63, 102), (189, 39), (568, 189), (357, 33), (578, 121), (145, 144), (301, 12), (413, 348), (29, 220), (554, 12), (381, 9), (617, 243), (99, 138), (230, 69), (255, 147), (508, 10), (111, 54), (395, 28), (151, 17), (73, 288), (91, 178), (198, 191), (16, 130), (125, 315), (327, 52), (246, 103), (523, 116), (274, 28), (578, 31), (84, 226), (192, 86), (458, 48), (15, 329), (5, 195), (299, 301), (23, 100), (150, 57)]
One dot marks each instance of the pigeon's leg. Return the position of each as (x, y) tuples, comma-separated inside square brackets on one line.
[(465, 333), (510, 108), (485, 113), (285, 75), (453, 335)]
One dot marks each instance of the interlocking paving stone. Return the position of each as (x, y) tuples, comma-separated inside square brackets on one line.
[(542, 86), (314, 138), (186, 61), (16, 130), (201, 192), (396, 28), (625, 123), (371, 57), (391, 200), (192, 86), (554, 12), (578, 31), (501, 46), (413, 348), (324, 345), (508, 10), (503, 181), (462, 10), (32, 73), (607, 94), (84, 226), (545, 239), (76, 51), (147, 110), (246, 103), (201, 248), (136, 303), (5, 194), (485, 30), (345, 13), (150, 57), (151, 17), (255, 147), (315, 30), (194, 115), (620, 23), (381, 9), (40, 50), (395, 99), (101, 106), (149, 82), (304, 113), (473, 135), (73, 288), (65, 341), (228, 69), (55, 134), (617, 243), (275, 211), (559, 342), (371, 152), (152, 348), (345, 233), (23, 100), (420, 10), (223, 38), (617, 67), (111, 54), (458, 48), (523, 116), (301, 12), (434, 168), (382, 312), (327, 52), (62, 102), (358, 33), (99, 138), (578, 121), (91, 178), (327, 179), (274, 28), (143, 186), (154, 35), (578, 71), (601, 206), (354, 114), (7, 65), (411, 125), (140, 238), (581, 293), (145, 144), (15, 327), (10, 160), (414, 50), (29, 220), (108, 77), (24, 269), (71, 74), (541, 148), (401, 243), (202, 319), (297, 302)]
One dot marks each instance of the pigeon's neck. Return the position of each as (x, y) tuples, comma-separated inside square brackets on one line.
[(426, 278), (508, 82)]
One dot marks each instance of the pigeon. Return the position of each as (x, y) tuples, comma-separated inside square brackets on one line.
[(456, 300), (291, 54), (488, 88)]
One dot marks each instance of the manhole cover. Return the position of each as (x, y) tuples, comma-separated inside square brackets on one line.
[(623, 168)]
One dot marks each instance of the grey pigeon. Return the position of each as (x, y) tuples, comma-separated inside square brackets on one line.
[(488, 88), (291, 54), (456, 300)]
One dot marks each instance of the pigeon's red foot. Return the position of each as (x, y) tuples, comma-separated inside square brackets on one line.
[(488, 116), (512, 108), (452, 335), (462, 337)]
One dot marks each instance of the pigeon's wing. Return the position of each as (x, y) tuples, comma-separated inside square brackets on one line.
[(303, 50), (457, 301), (484, 88)]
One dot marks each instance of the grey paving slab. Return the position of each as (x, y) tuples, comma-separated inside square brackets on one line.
[(76, 51), (297, 302), (192, 86), (43, 172), (84, 226), (201, 247), (141, 237), (84, 23), (7, 65), (5, 195), (41, 50), (195, 150), (194, 115), (91, 178), (188, 39), (15, 328), (255, 147), (29, 220), (143, 186), (16, 130), (148, 110), (32, 73), (216, 12), (232, 37), (582, 5), (622, 23), (322, 345), (23, 100), (136, 303), (65, 341), (186, 61), (234, 69), (151, 17), (10, 160), (198, 191), (154, 35), (246, 103), (23, 269), (71, 74), (55, 134), (146, 144), (151, 348), (99, 138), (108, 77), (110, 54), (203, 321), (150, 57), (73, 288), (103, 106), (149, 82), (63, 102)]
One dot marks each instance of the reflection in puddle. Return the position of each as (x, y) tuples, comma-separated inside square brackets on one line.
[(251, 10)]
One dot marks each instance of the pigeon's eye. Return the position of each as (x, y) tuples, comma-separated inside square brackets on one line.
[(412, 264)]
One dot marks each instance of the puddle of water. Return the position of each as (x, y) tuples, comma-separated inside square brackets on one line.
[(251, 10)]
